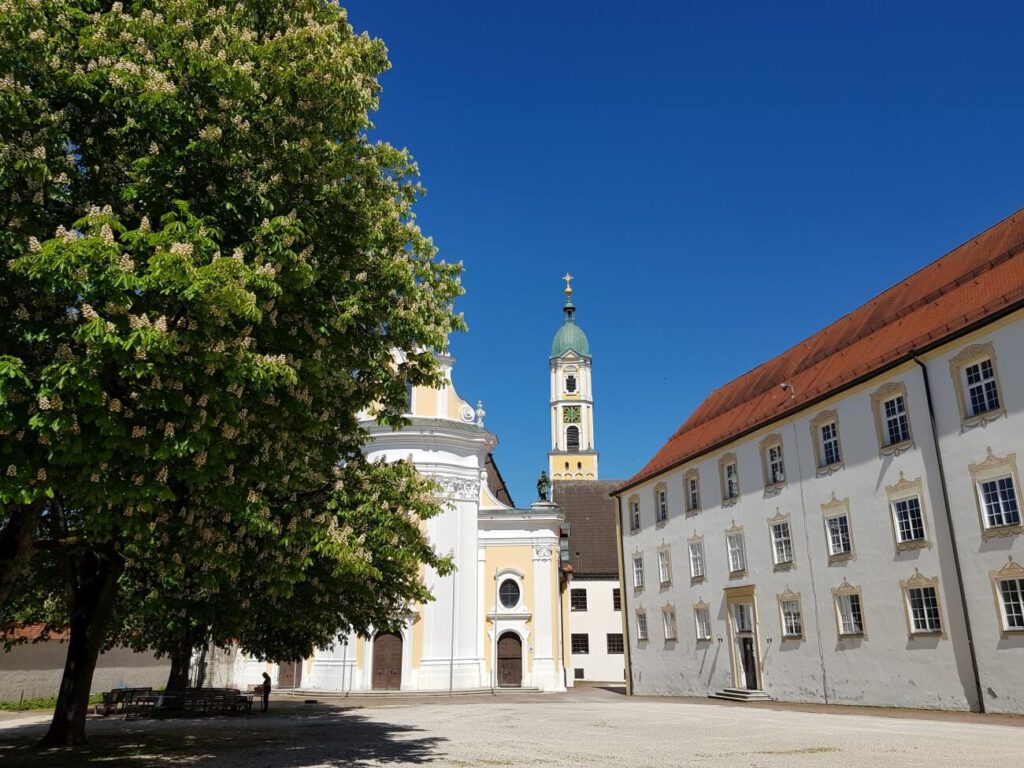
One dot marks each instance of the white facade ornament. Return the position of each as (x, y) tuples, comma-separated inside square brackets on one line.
[(458, 488), (466, 413), (543, 553), (480, 413)]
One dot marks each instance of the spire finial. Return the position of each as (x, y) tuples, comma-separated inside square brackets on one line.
[(568, 288)]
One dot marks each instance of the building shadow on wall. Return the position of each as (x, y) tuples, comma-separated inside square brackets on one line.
[(324, 737)]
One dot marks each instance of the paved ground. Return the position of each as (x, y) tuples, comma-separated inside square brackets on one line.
[(583, 728)]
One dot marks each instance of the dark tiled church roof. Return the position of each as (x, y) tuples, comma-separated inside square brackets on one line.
[(590, 512), (975, 282)]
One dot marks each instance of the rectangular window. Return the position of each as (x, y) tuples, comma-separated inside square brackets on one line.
[(999, 499), (792, 621), (737, 553), (578, 599), (909, 520), (703, 620), (662, 505), (839, 542), (982, 393), (580, 643), (830, 444), (744, 618), (638, 571), (924, 609), (615, 644), (664, 567), (782, 543), (851, 619), (668, 619), (732, 481), (616, 599), (634, 516), (1011, 596), (692, 495), (776, 473), (897, 428), (697, 559), (577, 673), (641, 625)]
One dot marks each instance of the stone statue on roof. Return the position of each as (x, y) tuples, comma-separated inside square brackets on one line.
[(543, 486)]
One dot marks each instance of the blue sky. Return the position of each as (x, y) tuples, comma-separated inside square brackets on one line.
[(723, 179)]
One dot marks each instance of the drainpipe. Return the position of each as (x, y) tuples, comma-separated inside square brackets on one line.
[(952, 534), (622, 597)]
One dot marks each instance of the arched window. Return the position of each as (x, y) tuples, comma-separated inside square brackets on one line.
[(570, 383), (572, 438)]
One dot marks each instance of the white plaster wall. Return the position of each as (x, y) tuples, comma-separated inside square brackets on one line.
[(1000, 659), (886, 666), (598, 621), (35, 670)]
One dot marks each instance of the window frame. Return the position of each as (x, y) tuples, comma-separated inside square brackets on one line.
[(660, 504), (616, 599), (830, 510), (584, 639), (702, 609), (920, 582), (664, 566), (697, 541), (510, 579), (633, 510), (724, 462), (691, 475), (642, 634), (790, 597), (1011, 571), (903, 491), (573, 594), (638, 571), (991, 469), (817, 424), (621, 649), (847, 590), (731, 534), (879, 398), (579, 435), (772, 483), (777, 521), (669, 624), (975, 354)]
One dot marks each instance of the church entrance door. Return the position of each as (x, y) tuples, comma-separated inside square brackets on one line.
[(387, 662), (510, 661), (289, 674)]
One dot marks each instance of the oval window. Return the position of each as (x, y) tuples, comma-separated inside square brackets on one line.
[(508, 593)]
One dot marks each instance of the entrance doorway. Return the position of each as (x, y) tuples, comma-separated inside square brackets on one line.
[(289, 674), (510, 661), (746, 647), (387, 662)]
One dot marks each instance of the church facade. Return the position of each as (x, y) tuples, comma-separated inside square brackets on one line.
[(842, 524), (496, 622)]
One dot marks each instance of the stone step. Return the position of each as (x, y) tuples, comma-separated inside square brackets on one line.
[(740, 694)]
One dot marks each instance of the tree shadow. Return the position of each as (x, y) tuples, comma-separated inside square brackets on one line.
[(328, 736)]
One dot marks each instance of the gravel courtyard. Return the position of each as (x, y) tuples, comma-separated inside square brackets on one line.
[(582, 728)]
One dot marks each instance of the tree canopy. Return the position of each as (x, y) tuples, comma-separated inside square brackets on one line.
[(206, 268)]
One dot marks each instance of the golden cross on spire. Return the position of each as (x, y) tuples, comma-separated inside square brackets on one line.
[(568, 288)]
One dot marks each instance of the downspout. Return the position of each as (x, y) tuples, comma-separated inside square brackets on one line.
[(622, 597), (952, 535)]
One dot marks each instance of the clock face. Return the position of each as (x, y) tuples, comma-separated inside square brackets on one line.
[(571, 414)]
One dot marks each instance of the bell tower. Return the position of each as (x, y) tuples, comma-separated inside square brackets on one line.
[(573, 455)]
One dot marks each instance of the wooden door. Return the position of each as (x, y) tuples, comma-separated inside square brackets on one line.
[(510, 661), (749, 660), (387, 662), (289, 674)]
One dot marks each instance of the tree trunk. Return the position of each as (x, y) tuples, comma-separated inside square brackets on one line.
[(16, 538), (92, 586), (181, 662)]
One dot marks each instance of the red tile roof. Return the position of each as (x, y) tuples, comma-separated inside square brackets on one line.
[(981, 279)]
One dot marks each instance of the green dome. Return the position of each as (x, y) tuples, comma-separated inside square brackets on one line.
[(570, 336)]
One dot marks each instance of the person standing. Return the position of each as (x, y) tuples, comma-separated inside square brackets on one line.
[(266, 691)]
